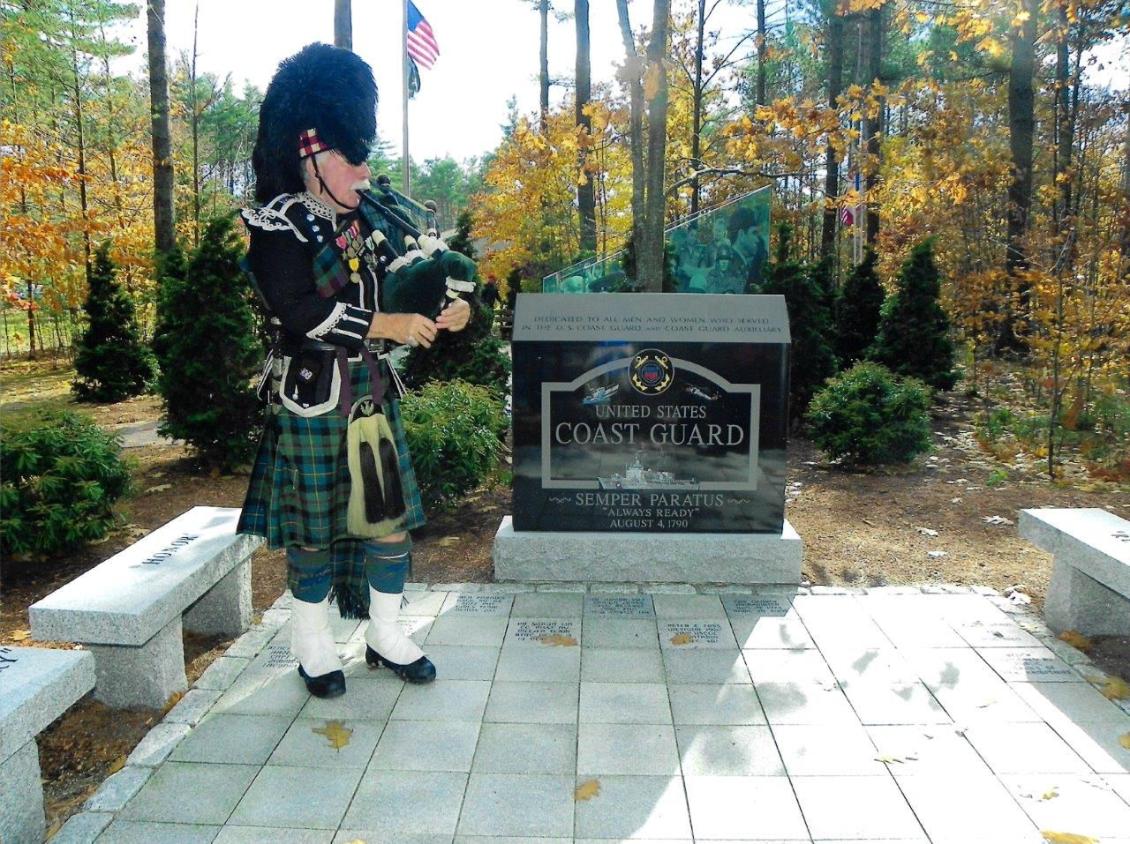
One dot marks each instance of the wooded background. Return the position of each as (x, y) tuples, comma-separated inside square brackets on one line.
[(991, 126)]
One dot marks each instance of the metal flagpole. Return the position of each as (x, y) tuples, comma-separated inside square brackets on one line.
[(404, 164)]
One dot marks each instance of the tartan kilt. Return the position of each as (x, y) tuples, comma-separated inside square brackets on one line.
[(298, 494)]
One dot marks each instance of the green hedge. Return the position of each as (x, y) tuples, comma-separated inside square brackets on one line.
[(868, 415), (452, 430), (61, 477)]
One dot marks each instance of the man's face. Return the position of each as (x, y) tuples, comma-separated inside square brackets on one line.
[(339, 182)]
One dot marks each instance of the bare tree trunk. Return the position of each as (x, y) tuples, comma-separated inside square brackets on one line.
[(1124, 240), (650, 254), (586, 196), (696, 117), (762, 52), (343, 24), (164, 222), (635, 134), (1021, 124), (111, 145), (873, 48), (196, 129), (831, 159), (543, 63), (82, 197)]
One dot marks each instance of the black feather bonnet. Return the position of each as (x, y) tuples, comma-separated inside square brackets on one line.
[(320, 87)]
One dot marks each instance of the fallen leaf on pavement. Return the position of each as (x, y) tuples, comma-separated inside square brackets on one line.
[(1124, 740), (1077, 640), (336, 733), (559, 640), (682, 639), (1066, 838), (20, 635), (587, 790), (1116, 689)]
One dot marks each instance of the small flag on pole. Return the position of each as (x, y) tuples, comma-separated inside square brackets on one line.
[(847, 218), (421, 41)]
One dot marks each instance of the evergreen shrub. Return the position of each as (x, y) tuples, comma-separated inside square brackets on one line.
[(112, 363), (209, 351), (810, 323), (60, 478), (461, 241), (913, 336), (857, 314), (452, 431), (869, 416)]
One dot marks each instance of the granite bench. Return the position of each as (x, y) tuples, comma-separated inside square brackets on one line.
[(37, 685), (1090, 585), (194, 572)]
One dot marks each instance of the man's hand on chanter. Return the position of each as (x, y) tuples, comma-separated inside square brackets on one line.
[(410, 329), (455, 316)]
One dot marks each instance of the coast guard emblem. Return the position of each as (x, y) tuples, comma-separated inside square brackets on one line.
[(651, 372)]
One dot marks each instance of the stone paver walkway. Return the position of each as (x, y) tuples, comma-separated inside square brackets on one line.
[(894, 714)]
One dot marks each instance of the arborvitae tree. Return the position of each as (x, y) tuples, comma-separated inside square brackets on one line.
[(913, 336), (513, 287), (857, 317), (810, 324), (208, 350), (112, 362), (461, 240)]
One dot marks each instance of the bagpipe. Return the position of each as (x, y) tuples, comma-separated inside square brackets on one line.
[(422, 276)]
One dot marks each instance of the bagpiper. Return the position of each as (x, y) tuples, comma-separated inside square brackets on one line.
[(333, 482)]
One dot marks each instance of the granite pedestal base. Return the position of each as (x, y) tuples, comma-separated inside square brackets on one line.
[(649, 557), (141, 675), (21, 810), (225, 609)]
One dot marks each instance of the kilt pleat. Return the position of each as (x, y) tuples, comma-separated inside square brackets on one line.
[(298, 494)]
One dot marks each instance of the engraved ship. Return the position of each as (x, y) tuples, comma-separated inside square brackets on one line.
[(600, 395), (638, 476)]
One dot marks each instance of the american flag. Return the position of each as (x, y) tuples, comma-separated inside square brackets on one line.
[(422, 46)]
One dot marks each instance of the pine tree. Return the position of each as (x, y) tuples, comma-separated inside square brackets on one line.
[(810, 323), (461, 240), (112, 362), (208, 349), (857, 317), (913, 336)]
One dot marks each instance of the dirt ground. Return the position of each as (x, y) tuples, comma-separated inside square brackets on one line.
[(948, 518)]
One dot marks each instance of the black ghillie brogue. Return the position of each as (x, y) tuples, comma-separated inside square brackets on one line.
[(420, 671), (326, 685)]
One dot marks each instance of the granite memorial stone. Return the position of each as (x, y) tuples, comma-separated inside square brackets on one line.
[(650, 412)]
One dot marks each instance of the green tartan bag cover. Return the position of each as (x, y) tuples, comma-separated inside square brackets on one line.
[(376, 498)]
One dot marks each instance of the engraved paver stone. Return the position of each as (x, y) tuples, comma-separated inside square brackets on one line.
[(620, 606), (544, 631)]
